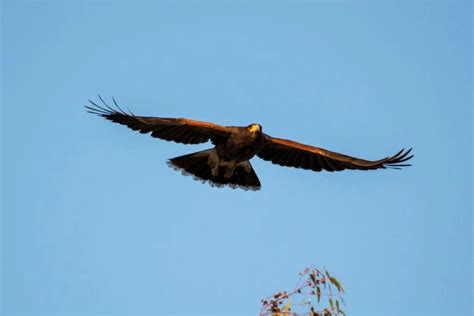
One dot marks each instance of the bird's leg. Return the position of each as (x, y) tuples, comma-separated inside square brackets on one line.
[(230, 170), (246, 165), (215, 171), (213, 162), (232, 165)]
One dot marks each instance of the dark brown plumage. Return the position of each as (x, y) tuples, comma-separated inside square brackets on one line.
[(228, 162)]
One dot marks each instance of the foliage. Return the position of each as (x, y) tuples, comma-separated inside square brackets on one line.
[(317, 293)]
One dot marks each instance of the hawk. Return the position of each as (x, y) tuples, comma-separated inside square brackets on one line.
[(228, 162)]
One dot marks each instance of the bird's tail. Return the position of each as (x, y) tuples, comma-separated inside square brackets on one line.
[(197, 165)]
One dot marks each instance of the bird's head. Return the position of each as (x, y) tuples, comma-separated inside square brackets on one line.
[(254, 128)]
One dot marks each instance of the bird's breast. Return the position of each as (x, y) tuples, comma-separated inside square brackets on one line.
[(240, 147)]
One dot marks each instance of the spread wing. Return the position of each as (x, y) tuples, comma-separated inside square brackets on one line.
[(179, 130), (288, 153)]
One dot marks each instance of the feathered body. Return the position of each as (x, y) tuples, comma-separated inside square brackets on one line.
[(228, 162)]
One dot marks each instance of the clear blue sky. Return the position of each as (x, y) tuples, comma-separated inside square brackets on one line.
[(94, 222)]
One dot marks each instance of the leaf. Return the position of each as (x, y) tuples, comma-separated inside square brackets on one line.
[(337, 284), (318, 293), (287, 308), (313, 277), (337, 306), (331, 303)]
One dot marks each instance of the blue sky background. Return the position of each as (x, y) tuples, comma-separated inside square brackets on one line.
[(94, 222)]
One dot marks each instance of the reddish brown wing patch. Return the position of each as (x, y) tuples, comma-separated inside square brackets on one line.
[(288, 153), (179, 130)]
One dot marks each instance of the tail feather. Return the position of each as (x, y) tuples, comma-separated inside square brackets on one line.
[(196, 164)]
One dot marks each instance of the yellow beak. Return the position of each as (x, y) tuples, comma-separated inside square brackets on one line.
[(254, 128)]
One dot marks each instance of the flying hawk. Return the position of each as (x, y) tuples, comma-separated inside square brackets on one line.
[(228, 163)]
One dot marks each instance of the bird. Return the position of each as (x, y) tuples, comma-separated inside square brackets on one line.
[(228, 162)]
